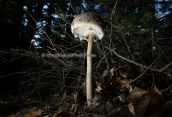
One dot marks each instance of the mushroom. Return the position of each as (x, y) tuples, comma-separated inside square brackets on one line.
[(88, 26)]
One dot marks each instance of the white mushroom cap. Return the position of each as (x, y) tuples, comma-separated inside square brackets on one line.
[(86, 24)]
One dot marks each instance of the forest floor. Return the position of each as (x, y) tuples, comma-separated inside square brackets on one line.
[(114, 96)]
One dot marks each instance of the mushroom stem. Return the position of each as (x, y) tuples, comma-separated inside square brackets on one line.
[(89, 82)]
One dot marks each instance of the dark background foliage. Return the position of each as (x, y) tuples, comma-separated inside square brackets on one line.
[(140, 30)]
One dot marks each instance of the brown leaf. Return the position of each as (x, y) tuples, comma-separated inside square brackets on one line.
[(166, 109), (111, 71), (106, 76), (156, 102), (129, 112), (98, 89), (118, 111), (136, 94), (109, 106), (15, 115), (105, 73), (32, 113), (141, 106), (63, 114)]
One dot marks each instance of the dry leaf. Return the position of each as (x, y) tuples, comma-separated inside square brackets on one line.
[(156, 102), (105, 73), (116, 112), (63, 114), (122, 97), (141, 106), (15, 115), (32, 113), (97, 100), (166, 109), (98, 89), (167, 104), (105, 77), (109, 106), (129, 112), (136, 94), (64, 95), (111, 71)]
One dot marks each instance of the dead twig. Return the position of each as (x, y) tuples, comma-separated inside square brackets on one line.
[(144, 66)]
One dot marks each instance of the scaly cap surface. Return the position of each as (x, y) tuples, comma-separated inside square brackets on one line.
[(88, 23)]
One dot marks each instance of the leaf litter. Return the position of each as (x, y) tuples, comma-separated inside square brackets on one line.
[(112, 98)]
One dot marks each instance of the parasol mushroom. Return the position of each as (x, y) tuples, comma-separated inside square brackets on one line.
[(88, 26)]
